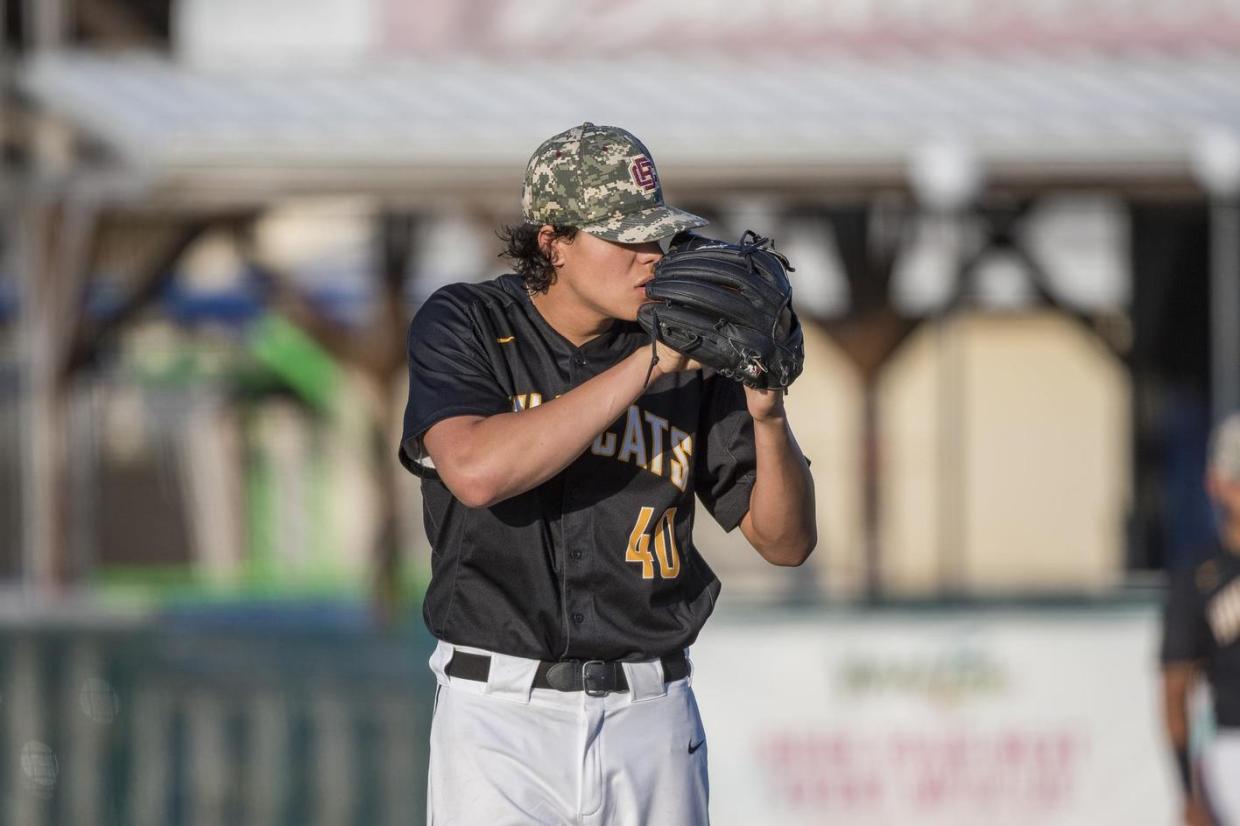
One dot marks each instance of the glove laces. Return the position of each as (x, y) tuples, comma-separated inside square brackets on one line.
[(654, 345)]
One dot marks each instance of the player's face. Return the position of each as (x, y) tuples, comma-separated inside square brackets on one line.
[(608, 277)]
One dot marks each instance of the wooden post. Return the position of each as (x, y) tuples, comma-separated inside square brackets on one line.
[(53, 244), (44, 23), (48, 241)]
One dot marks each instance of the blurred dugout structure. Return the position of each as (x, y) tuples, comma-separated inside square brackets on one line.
[(1014, 224), (1013, 229)]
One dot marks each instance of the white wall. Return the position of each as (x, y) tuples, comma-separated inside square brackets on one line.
[(1005, 460)]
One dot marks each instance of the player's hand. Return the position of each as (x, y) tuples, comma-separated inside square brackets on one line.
[(1196, 814), (673, 361), (764, 405)]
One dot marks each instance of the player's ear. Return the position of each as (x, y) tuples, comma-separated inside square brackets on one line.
[(549, 245)]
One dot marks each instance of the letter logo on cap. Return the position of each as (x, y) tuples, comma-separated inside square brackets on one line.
[(643, 173)]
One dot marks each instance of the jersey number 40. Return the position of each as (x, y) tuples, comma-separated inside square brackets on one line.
[(665, 549)]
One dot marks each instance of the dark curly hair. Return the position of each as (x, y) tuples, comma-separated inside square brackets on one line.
[(528, 261)]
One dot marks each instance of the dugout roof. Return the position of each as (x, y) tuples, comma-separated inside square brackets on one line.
[(466, 126)]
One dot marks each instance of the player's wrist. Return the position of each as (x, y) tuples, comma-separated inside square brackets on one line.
[(645, 368), (773, 421), (672, 360), (660, 362), (766, 406)]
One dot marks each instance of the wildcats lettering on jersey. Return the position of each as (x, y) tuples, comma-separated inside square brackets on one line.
[(646, 440)]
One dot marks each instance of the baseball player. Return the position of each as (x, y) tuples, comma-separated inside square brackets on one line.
[(559, 470), (1202, 636)]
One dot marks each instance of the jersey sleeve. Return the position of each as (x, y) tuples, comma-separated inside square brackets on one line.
[(449, 373), (725, 461), (1186, 635)]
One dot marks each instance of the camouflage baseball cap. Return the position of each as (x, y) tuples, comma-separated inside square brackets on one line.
[(602, 180)]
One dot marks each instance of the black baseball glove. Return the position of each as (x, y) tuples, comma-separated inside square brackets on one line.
[(729, 306)]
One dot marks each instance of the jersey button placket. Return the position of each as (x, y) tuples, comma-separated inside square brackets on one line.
[(573, 618), (575, 521)]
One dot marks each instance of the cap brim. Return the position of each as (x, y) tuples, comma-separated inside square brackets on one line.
[(648, 225)]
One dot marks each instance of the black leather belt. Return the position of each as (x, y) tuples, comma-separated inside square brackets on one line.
[(594, 677)]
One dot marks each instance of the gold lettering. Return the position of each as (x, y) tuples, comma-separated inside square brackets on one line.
[(524, 401), (604, 444), (682, 450), (639, 543), (670, 458), (634, 442), (658, 426), (669, 554)]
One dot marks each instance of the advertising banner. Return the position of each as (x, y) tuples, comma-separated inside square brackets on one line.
[(936, 718)]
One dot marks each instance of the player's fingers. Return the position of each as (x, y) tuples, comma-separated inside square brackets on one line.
[(673, 360)]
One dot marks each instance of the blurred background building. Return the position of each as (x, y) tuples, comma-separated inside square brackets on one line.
[(1017, 250)]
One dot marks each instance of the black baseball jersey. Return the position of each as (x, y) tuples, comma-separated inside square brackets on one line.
[(597, 562), (1202, 624)]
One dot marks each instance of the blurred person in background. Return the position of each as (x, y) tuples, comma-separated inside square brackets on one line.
[(1201, 636), (559, 504)]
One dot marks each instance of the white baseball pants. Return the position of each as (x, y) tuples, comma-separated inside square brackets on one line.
[(504, 753), (1220, 771)]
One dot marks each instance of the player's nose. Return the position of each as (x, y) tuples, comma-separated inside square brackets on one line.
[(649, 252)]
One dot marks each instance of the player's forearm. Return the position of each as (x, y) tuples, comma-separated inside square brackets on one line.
[(781, 523), (1176, 681), (511, 453)]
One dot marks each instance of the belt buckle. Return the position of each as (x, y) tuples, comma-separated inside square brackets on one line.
[(591, 679)]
